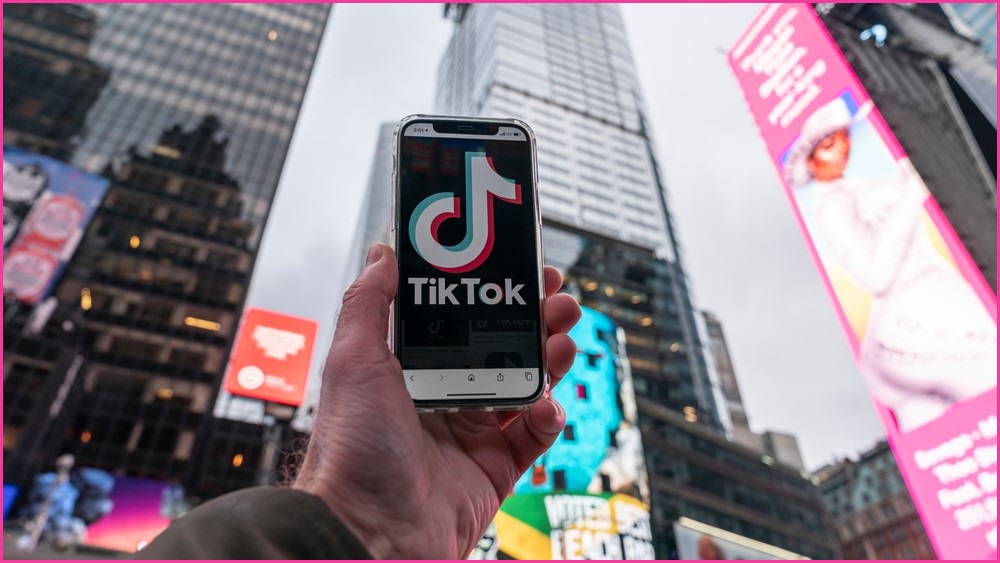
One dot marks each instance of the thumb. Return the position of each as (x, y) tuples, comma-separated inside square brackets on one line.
[(363, 324)]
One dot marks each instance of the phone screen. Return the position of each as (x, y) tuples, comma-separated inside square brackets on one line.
[(468, 327)]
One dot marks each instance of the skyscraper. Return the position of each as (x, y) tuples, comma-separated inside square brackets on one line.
[(373, 225), (978, 20), (781, 447), (567, 71), (188, 111), (728, 383), (558, 68)]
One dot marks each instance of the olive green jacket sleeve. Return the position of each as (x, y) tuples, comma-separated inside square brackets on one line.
[(257, 523)]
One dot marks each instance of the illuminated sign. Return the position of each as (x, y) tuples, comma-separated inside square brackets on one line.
[(141, 509), (917, 313), (587, 497), (47, 205), (271, 357)]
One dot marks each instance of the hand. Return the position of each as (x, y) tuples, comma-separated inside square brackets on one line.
[(421, 486)]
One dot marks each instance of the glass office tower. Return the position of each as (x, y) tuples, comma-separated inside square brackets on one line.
[(980, 21), (567, 71), (187, 110)]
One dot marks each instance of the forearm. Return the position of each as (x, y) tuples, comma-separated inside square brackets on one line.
[(257, 523)]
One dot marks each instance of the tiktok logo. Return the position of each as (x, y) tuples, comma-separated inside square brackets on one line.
[(482, 185)]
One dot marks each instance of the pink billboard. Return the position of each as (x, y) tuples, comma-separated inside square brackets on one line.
[(918, 316), (141, 509)]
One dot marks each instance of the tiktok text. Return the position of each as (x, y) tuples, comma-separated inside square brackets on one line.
[(439, 292)]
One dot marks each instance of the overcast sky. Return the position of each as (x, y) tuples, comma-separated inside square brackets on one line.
[(744, 256)]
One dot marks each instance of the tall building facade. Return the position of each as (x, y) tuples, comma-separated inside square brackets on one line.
[(376, 208), (50, 124), (188, 111), (937, 91), (567, 71), (979, 20), (694, 470), (780, 447), (783, 448), (870, 509), (728, 384), (627, 269), (702, 476)]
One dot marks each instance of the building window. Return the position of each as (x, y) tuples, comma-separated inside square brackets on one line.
[(130, 347), (188, 359), (222, 260), (569, 433), (212, 289), (150, 310), (198, 193), (160, 439), (148, 180), (581, 391), (176, 249), (559, 480)]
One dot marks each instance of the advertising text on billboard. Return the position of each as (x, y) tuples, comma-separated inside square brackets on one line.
[(271, 357)]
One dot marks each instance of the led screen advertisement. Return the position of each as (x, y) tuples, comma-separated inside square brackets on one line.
[(96, 508), (47, 205), (698, 541), (142, 508), (271, 357), (588, 496), (918, 316)]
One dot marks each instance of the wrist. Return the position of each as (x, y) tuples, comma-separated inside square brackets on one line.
[(360, 521)]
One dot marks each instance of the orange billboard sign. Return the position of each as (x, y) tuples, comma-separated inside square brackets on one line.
[(271, 357)]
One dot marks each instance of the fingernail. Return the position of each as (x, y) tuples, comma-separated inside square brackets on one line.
[(374, 254)]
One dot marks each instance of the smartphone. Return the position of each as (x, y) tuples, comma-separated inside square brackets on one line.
[(467, 321)]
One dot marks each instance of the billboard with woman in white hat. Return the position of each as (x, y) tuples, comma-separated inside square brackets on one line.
[(917, 313), (913, 314)]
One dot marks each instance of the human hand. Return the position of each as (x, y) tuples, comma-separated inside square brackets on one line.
[(409, 485)]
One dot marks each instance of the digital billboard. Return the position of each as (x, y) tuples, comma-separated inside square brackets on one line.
[(588, 496), (698, 541), (93, 507), (918, 315), (47, 205), (271, 357), (141, 509)]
